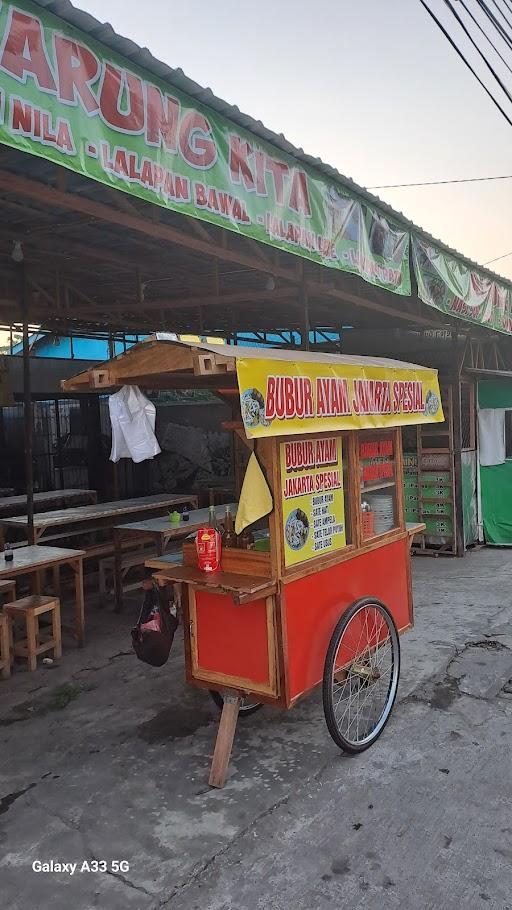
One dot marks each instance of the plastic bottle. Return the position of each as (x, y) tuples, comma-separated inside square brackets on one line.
[(8, 554)]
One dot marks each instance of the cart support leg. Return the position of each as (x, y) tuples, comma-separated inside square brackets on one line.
[(224, 741)]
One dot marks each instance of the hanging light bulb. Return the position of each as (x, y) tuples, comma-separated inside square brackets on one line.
[(17, 251)]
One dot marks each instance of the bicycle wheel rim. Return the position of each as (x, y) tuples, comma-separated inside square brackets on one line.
[(364, 671)]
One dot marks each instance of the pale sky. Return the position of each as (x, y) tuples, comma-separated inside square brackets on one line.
[(370, 86)]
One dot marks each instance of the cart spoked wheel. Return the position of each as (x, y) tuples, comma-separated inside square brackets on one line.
[(361, 674), (247, 706)]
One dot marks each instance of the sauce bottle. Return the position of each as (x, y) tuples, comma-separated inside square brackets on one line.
[(212, 518), (228, 534)]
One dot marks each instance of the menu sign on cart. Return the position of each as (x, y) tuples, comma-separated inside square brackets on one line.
[(376, 459), (313, 503)]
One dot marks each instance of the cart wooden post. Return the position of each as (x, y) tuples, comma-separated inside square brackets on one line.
[(224, 741)]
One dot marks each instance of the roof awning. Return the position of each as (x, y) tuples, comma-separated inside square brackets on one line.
[(161, 359), (282, 392)]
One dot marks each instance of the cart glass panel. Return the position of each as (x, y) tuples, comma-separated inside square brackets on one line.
[(314, 474), (377, 466)]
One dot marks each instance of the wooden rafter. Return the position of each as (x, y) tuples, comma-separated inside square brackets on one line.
[(323, 289), (228, 299), (52, 196)]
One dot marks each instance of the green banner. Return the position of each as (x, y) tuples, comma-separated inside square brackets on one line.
[(449, 285), (67, 98)]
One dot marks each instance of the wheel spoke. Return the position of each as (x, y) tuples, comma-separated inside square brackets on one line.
[(366, 653)]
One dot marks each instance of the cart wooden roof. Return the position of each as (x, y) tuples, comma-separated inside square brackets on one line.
[(162, 362)]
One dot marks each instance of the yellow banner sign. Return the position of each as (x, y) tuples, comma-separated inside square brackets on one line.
[(280, 398), (312, 497)]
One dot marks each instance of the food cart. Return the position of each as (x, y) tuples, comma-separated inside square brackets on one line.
[(323, 595)]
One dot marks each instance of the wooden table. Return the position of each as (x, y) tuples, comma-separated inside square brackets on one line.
[(33, 560), (51, 499), (104, 513), (161, 531)]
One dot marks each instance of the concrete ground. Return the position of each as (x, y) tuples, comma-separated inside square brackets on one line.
[(105, 759)]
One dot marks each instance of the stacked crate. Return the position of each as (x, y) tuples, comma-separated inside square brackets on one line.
[(437, 498), (411, 487)]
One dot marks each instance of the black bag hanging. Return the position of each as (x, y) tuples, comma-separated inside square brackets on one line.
[(153, 634)]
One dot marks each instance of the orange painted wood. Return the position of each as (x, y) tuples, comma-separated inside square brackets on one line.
[(315, 603), (241, 587), (230, 641), (241, 562)]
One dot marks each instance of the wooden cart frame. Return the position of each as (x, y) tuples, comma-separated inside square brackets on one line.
[(260, 628)]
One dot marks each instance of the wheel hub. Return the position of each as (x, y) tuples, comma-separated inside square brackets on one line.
[(368, 674)]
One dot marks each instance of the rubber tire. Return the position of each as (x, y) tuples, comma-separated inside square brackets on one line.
[(243, 712), (330, 720)]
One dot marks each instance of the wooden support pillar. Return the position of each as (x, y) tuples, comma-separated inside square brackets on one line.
[(224, 741), (59, 443), (305, 313), (456, 417), (139, 288), (27, 406), (307, 327), (457, 470), (91, 421), (116, 488)]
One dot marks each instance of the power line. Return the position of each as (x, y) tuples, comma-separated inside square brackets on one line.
[(502, 14), (486, 36), (507, 39), (396, 186), (466, 62), (497, 258), (479, 50), (489, 40), (497, 25)]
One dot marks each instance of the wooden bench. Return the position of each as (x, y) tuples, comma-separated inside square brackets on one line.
[(99, 550), (140, 557), (129, 561)]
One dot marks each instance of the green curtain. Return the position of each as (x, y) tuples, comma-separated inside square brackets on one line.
[(496, 493)]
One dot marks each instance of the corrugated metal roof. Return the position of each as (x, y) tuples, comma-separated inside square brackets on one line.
[(141, 56)]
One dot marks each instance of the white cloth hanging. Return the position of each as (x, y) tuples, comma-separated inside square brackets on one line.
[(133, 419), (491, 436)]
